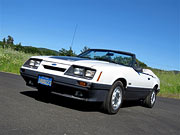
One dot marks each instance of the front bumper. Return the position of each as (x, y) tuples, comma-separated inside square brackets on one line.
[(68, 87)]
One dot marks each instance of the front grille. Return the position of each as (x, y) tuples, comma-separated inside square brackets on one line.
[(54, 68)]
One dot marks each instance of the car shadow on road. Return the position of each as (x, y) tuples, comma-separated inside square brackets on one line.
[(72, 103), (62, 101)]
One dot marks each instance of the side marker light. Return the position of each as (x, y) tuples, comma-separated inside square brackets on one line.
[(99, 76)]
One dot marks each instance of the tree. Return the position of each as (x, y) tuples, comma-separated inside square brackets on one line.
[(85, 49), (19, 47), (64, 52), (4, 43), (10, 40), (70, 52)]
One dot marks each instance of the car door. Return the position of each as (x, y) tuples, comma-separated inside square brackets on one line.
[(138, 85)]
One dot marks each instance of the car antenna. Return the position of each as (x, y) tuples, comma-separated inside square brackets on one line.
[(74, 35)]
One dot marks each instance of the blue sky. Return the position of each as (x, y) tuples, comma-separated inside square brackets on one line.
[(148, 28)]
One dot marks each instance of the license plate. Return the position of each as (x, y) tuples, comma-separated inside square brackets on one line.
[(45, 80)]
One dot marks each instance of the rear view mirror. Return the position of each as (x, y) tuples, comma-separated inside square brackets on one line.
[(109, 54)]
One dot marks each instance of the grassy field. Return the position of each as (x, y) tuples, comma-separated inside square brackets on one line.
[(170, 83), (11, 61)]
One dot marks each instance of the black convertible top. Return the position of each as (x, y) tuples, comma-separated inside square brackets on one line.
[(122, 52)]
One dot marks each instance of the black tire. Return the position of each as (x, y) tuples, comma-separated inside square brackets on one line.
[(150, 99), (115, 96)]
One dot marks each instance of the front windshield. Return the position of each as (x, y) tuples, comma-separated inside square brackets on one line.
[(110, 56)]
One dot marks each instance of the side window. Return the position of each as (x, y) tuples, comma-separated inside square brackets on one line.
[(122, 59)]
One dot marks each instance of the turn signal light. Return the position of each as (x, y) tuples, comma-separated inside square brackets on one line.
[(82, 83)]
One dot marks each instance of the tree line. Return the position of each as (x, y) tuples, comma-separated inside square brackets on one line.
[(9, 43)]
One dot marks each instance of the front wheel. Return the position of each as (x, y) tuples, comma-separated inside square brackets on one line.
[(114, 99), (150, 99)]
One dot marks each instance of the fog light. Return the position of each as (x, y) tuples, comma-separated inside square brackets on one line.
[(31, 83), (78, 94)]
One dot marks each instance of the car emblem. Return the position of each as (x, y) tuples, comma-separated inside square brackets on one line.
[(54, 64)]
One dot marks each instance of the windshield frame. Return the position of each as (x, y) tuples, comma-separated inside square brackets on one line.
[(106, 50)]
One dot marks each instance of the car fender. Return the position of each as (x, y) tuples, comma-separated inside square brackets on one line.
[(156, 83), (109, 76)]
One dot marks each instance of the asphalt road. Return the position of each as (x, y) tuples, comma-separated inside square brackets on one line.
[(23, 112)]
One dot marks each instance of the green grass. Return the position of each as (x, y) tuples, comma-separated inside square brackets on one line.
[(11, 61), (170, 83)]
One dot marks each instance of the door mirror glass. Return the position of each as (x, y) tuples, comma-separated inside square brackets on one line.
[(137, 67)]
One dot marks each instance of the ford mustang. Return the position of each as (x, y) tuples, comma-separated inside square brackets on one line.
[(96, 75)]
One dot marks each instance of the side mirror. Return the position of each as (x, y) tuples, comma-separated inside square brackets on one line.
[(138, 69)]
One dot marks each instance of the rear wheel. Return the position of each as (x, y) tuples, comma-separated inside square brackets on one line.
[(150, 99), (114, 99)]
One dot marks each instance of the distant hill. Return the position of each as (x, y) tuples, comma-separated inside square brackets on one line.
[(176, 71), (46, 51), (29, 49)]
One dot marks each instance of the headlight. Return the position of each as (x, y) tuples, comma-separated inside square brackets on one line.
[(37, 63), (32, 63), (79, 71), (90, 73)]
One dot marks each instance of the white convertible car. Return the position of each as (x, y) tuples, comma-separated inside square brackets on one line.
[(97, 75)]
